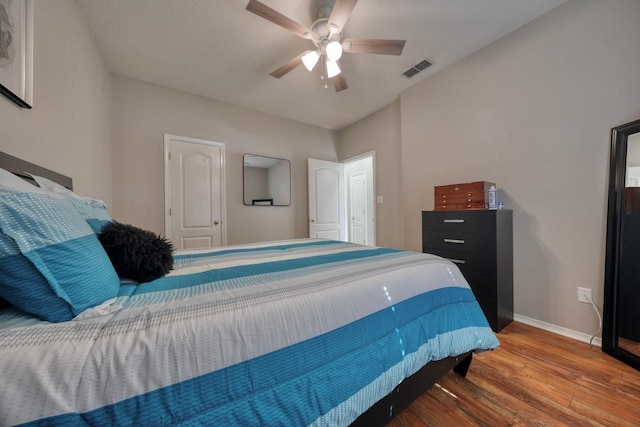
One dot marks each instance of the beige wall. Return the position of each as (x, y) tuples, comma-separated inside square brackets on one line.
[(533, 112), (69, 127), (381, 132), (143, 112), (255, 184)]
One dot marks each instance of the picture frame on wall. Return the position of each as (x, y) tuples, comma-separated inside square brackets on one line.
[(16, 51)]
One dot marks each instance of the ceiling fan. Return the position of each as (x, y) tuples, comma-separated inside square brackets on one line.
[(326, 34)]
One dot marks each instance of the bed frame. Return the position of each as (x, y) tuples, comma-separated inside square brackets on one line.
[(380, 413), (411, 388), (23, 168)]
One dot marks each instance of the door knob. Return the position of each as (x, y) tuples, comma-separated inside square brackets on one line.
[(216, 222), (312, 220)]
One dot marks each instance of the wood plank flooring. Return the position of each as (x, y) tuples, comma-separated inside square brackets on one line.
[(535, 378)]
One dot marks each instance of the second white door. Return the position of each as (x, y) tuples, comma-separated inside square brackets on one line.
[(194, 192), (360, 196), (358, 208), (326, 200)]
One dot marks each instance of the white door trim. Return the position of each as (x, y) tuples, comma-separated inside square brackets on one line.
[(167, 182)]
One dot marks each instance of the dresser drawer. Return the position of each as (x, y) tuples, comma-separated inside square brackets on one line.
[(458, 241), (480, 221), (483, 287), (490, 309), (460, 198), (458, 206), (466, 196), (477, 264)]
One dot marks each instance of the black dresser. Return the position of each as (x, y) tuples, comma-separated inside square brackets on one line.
[(480, 243)]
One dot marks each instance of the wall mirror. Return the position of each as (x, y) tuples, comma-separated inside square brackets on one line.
[(621, 322), (267, 181)]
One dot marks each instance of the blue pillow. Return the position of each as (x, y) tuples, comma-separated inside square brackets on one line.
[(51, 263), (92, 210)]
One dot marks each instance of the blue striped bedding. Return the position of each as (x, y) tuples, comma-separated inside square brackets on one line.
[(299, 332)]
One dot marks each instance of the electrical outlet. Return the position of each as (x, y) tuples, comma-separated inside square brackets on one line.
[(584, 295)]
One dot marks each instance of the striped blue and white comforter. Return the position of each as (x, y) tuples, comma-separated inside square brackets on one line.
[(300, 332)]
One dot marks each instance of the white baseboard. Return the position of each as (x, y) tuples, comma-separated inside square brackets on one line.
[(557, 330)]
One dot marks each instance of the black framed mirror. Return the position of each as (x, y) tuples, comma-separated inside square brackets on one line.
[(267, 181), (621, 320)]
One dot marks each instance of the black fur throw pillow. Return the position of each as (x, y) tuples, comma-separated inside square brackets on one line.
[(135, 253)]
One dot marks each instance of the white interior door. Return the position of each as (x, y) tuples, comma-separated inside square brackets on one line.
[(360, 175), (194, 192), (326, 200), (358, 208)]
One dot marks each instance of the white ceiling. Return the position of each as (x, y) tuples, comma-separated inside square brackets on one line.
[(216, 49)]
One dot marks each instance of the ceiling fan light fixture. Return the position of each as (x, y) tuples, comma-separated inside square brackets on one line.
[(333, 50), (332, 69), (310, 59), (326, 34)]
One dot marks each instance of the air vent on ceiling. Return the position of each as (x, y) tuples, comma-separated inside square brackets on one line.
[(420, 66)]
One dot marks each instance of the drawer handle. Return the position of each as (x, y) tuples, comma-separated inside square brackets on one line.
[(457, 261), (455, 221), (458, 241)]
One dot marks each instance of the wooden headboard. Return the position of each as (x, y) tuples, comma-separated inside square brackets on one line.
[(22, 168)]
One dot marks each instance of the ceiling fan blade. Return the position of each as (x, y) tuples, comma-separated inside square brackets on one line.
[(264, 11), (287, 67), (377, 46), (340, 15), (339, 82)]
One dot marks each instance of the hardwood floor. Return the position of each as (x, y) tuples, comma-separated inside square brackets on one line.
[(535, 378)]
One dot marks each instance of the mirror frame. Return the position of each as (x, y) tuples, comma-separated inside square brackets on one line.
[(244, 178), (617, 179)]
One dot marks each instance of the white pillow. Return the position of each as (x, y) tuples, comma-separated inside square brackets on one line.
[(92, 210)]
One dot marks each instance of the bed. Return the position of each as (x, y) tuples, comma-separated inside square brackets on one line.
[(295, 332)]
